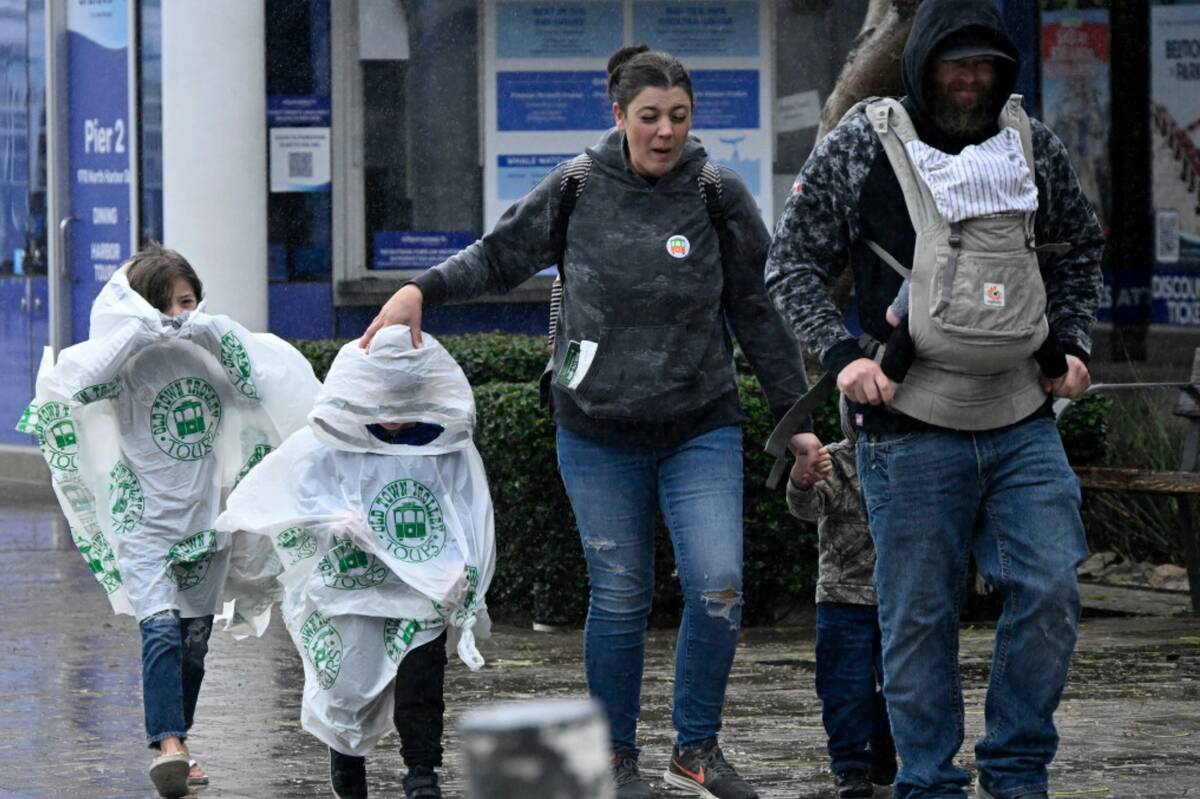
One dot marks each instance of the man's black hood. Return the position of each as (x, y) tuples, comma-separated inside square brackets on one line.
[(938, 24)]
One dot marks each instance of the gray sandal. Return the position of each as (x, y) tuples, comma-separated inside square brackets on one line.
[(169, 775)]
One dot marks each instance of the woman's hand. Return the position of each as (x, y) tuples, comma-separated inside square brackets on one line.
[(402, 308)]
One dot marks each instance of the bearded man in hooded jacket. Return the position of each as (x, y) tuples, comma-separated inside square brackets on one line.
[(956, 455)]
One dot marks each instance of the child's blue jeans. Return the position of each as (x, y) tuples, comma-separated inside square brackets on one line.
[(173, 651), (850, 685)]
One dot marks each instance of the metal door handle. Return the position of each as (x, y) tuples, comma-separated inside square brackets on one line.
[(24, 303), (37, 303)]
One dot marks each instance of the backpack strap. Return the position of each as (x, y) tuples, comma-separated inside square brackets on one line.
[(1013, 116), (709, 181), (570, 187)]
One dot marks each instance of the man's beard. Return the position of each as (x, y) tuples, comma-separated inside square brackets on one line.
[(959, 121)]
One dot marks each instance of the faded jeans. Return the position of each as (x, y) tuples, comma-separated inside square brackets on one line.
[(173, 652), (615, 493), (1009, 497)]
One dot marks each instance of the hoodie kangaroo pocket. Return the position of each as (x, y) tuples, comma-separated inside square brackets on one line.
[(643, 372)]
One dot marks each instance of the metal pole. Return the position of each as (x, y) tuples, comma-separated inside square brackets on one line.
[(555, 749)]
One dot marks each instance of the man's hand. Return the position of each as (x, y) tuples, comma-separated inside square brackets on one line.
[(862, 381), (813, 463), (1072, 384), (402, 308)]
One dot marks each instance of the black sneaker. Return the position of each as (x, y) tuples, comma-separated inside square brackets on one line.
[(628, 778), (422, 783), (347, 775), (853, 784), (703, 770), (883, 770)]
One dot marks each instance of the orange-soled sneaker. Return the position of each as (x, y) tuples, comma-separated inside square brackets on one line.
[(702, 770)]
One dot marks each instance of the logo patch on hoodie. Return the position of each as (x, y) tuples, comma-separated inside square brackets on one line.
[(679, 246)]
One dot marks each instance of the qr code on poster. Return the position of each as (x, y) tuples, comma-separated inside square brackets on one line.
[(1166, 237), (300, 165)]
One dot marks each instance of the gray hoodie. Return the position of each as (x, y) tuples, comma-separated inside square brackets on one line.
[(661, 369)]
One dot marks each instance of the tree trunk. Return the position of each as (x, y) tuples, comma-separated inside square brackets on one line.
[(872, 69), (873, 65)]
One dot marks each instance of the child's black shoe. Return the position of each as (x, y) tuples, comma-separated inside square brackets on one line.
[(347, 775), (853, 783), (422, 783)]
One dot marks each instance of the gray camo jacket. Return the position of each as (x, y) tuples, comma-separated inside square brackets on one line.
[(846, 556)]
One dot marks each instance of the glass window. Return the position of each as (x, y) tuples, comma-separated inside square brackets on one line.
[(22, 138), (422, 183), (299, 223)]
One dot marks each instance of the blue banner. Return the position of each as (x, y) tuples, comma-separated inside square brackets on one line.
[(518, 174), (553, 101), (417, 249), (725, 30), (725, 98), (558, 30), (99, 148), (298, 110)]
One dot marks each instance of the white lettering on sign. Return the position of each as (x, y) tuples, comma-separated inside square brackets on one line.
[(102, 139), (104, 215), (106, 250), (104, 272), (101, 176)]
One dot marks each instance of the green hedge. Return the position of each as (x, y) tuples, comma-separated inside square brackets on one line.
[(484, 357), (540, 568)]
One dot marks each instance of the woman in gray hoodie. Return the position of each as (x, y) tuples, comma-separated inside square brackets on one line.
[(643, 392)]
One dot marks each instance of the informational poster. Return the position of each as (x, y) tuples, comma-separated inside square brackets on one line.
[(295, 110), (299, 159), (546, 81), (1075, 102), (99, 148), (416, 249), (1174, 136), (298, 138)]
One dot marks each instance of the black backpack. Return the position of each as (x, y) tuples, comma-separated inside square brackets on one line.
[(574, 178)]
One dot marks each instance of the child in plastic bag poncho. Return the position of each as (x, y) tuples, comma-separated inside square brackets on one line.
[(380, 513), (145, 426)]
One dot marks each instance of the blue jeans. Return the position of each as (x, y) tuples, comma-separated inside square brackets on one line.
[(173, 651), (849, 679), (615, 493), (1009, 497)]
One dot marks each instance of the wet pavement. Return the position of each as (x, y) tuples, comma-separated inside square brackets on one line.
[(71, 714)]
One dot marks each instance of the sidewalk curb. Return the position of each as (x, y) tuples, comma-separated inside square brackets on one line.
[(24, 474)]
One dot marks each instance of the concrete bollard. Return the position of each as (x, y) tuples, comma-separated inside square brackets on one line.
[(552, 749)]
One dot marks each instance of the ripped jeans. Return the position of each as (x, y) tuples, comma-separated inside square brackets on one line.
[(173, 652), (615, 493)]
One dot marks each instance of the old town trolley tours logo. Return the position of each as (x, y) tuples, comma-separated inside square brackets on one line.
[(348, 568), (398, 636), (323, 647), (126, 502), (56, 430), (298, 543), (184, 418), (237, 365), (407, 517), (98, 555), (190, 558)]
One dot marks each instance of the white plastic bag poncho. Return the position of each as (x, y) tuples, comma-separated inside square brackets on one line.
[(146, 426), (383, 545)]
